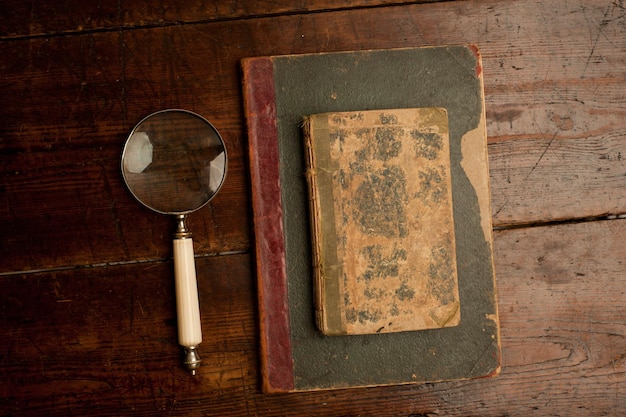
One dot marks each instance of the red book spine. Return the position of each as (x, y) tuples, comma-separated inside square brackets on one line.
[(260, 112)]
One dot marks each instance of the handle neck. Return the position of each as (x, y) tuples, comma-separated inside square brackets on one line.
[(181, 229)]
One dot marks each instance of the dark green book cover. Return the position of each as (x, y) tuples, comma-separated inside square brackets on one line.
[(279, 92)]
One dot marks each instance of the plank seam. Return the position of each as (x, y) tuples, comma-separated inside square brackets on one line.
[(118, 263)]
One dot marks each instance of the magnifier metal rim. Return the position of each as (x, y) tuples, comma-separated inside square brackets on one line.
[(219, 136)]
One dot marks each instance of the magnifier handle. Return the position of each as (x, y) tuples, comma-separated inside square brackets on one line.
[(187, 306)]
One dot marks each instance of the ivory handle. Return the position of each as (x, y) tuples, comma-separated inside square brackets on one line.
[(187, 306)]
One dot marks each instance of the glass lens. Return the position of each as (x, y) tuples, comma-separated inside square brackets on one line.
[(174, 161)]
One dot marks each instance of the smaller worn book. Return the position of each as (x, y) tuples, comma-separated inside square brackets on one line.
[(384, 257)]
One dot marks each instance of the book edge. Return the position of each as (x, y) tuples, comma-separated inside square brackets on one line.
[(314, 216), (275, 333), (489, 230), (329, 321)]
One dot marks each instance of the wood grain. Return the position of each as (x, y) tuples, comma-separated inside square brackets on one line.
[(71, 101), (103, 340), (86, 307), (33, 18), (64, 201), (106, 337)]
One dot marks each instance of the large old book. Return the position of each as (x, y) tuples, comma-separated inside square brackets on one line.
[(279, 91), (380, 193)]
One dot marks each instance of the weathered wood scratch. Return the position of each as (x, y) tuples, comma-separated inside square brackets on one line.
[(541, 156), (605, 21)]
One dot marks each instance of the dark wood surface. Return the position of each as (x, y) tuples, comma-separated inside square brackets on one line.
[(86, 294)]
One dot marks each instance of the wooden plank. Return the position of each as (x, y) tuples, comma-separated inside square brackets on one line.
[(554, 98), (102, 340), (63, 198), (573, 171), (105, 338), (36, 18)]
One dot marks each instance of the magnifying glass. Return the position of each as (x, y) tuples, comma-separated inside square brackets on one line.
[(174, 162)]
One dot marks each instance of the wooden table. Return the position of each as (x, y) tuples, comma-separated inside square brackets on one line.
[(87, 317)]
